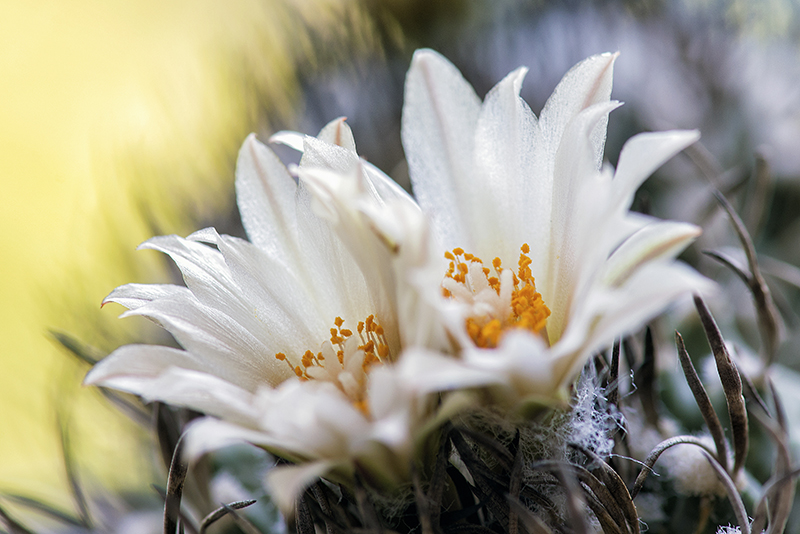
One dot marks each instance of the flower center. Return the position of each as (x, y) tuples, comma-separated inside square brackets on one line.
[(345, 359), (497, 303)]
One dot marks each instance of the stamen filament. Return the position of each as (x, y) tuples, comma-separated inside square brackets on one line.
[(354, 359), (500, 303)]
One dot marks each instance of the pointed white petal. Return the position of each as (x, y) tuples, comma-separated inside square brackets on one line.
[(274, 297), (383, 189), (338, 133), (587, 83), (318, 153), (438, 126), (511, 206), (203, 268), (205, 272), (642, 155), (265, 196), (133, 296), (574, 219), (291, 139), (613, 312), (217, 339), (141, 360), (340, 288), (205, 235), (655, 241), (175, 377)]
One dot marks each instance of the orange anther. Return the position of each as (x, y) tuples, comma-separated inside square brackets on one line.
[(526, 309), (338, 322)]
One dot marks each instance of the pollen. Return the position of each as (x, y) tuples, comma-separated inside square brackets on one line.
[(345, 359), (501, 299)]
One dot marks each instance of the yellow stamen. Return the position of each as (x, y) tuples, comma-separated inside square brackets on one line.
[(525, 309), (375, 349)]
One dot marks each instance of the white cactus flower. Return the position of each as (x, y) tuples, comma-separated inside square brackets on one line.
[(502, 185), (288, 339)]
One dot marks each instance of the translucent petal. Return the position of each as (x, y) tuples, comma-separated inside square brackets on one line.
[(610, 313), (219, 340), (133, 296), (655, 241), (265, 196), (587, 83), (573, 225), (438, 127), (511, 206), (287, 482), (175, 377), (338, 133), (642, 155)]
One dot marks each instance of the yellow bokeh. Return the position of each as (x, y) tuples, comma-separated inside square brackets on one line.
[(116, 118)]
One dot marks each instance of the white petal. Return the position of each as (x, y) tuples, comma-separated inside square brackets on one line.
[(217, 339), (203, 268), (175, 377), (523, 363), (655, 241), (133, 296), (209, 434), (512, 206), (338, 194), (338, 133), (141, 360), (286, 483), (265, 195), (573, 224), (312, 420), (438, 125), (587, 83), (318, 153), (383, 189), (208, 276), (275, 297), (293, 140), (642, 155), (429, 372), (334, 275), (611, 313)]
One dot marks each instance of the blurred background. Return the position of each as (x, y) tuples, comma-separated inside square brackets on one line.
[(121, 120)]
